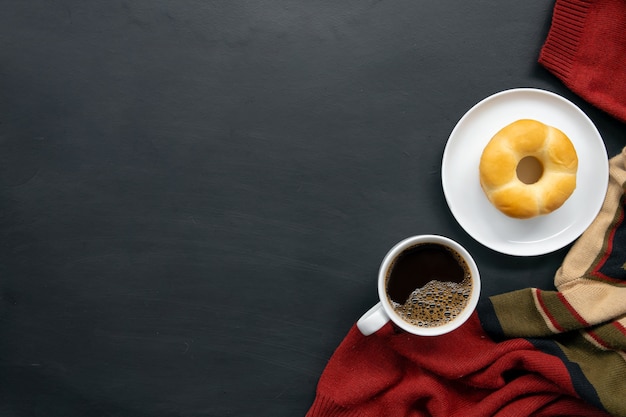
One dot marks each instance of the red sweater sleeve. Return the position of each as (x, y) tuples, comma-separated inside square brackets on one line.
[(586, 50), (463, 373)]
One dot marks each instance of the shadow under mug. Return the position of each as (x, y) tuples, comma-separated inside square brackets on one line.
[(383, 311)]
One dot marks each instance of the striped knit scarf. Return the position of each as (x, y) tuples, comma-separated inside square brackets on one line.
[(527, 353)]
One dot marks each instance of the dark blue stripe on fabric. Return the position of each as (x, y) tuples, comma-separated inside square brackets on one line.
[(581, 384), (489, 320), (614, 265)]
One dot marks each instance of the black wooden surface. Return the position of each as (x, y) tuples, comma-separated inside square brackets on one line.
[(195, 195)]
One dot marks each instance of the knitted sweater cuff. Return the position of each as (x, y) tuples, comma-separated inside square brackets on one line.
[(325, 407), (559, 51)]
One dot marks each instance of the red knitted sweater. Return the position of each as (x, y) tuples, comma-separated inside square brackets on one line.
[(464, 373), (586, 49)]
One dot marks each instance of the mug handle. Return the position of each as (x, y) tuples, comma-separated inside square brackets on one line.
[(373, 320)]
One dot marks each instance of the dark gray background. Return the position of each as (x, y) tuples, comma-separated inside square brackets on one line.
[(195, 195)]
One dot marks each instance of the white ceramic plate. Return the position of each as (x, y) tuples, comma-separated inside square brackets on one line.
[(472, 209)]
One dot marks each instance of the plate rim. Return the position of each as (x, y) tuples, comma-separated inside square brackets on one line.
[(523, 250)]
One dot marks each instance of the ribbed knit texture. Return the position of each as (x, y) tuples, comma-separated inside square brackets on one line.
[(586, 49), (529, 352)]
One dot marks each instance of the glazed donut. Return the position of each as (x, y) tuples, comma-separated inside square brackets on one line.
[(528, 169)]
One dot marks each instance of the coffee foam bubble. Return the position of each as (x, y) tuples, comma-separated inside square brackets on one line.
[(436, 303)]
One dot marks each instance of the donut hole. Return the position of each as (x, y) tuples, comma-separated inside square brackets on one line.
[(529, 170)]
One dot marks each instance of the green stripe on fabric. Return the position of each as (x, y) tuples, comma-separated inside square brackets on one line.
[(518, 315), (559, 312), (605, 370)]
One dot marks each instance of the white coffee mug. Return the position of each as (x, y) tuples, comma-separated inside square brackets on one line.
[(383, 311)]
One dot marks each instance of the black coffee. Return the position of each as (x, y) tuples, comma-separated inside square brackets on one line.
[(428, 284)]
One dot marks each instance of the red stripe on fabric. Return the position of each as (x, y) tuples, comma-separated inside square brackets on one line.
[(609, 248), (606, 277), (619, 327), (572, 310), (598, 339), (542, 304)]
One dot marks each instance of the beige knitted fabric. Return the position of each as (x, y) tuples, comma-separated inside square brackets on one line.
[(597, 300)]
